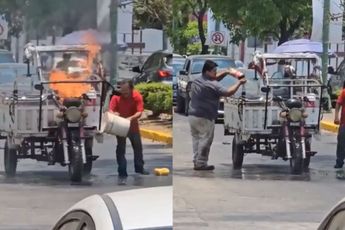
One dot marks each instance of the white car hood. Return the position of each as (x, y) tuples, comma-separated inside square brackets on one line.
[(137, 208), (145, 208)]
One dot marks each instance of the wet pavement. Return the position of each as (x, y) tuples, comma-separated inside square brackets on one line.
[(263, 195), (39, 193)]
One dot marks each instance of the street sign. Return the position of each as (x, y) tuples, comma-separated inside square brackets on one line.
[(3, 28), (218, 38)]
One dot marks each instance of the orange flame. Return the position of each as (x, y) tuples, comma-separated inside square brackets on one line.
[(68, 90)]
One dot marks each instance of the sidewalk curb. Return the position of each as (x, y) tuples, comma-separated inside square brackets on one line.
[(156, 136), (329, 126)]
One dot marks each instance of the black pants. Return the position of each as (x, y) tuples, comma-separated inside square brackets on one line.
[(135, 140), (341, 145)]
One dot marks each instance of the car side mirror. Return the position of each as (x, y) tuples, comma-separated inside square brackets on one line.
[(265, 89), (136, 69), (38, 87), (183, 72)]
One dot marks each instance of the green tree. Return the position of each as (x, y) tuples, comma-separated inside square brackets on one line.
[(197, 8), (281, 19), (191, 33), (154, 14), (181, 12)]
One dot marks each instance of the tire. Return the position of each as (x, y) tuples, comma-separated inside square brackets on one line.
[(237, 153), (10, 161), (75, 167), (187, 100), (296, 161), (88, 152), (186, 106), (180, 103), (306, 161)]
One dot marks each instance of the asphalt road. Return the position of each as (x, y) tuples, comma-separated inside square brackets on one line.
[(263, 195), (39, 194)]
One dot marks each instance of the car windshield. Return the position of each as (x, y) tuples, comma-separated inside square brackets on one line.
[(222, 64), (52, 60), (6, 58), (68, 66), (8, 74)]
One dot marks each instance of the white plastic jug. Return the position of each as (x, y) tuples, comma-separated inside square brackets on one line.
[(114, 125)]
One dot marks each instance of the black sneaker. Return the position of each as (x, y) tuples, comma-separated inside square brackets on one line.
[(143, 172), (338, 165), (204, 168)]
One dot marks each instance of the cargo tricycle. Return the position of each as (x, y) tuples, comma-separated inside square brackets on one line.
[(54, 112), (279, 114)]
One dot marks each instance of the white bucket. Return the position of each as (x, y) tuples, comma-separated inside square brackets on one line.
[(114, 125)]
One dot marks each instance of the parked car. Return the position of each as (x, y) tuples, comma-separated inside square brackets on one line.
[(146, 208), (335, 219), (177, 64), (157, 68), (6, 56), (192, 69)]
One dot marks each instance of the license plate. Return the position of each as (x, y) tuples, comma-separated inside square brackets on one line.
[(73, 125), (295, 124)]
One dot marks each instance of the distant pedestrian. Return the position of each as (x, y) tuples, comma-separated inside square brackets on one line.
[(130, 106), (203, 109), (341, 133)]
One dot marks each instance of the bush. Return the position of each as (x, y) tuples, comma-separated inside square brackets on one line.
[(157, 97)]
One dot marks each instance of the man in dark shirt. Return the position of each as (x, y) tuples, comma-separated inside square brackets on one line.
[(203, 109)]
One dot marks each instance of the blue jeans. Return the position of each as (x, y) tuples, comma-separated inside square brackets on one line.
[(341, 145), (135, 140)]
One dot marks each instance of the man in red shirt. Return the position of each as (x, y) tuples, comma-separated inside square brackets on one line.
[(129, 105), (341, 132)]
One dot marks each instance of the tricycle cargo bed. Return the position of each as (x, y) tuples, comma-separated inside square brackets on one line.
[(250, 117), (21, 117)]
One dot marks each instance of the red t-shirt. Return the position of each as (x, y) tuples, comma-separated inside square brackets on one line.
[(341, 102), (127, 107)]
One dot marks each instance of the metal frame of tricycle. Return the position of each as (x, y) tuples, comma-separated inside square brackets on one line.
[(265, 135), (42, 136)]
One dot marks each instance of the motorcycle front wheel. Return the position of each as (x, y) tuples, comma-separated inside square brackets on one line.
[(296, 161), (76, 165)]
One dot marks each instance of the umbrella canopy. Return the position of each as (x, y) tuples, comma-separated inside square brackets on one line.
[(300, 46), (91, 37)]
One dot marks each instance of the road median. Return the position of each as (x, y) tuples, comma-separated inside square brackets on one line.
[(160, 136), (329, 126)]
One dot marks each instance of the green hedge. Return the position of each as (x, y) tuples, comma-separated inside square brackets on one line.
[(157, 97)]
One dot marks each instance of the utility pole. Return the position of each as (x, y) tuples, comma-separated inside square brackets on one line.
[(217, 28), (113, 31), (325, 39)]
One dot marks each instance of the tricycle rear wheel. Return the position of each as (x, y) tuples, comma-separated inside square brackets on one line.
[(10, 160), (237, 152)]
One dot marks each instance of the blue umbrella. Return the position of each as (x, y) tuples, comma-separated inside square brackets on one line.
[(300, 46)]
